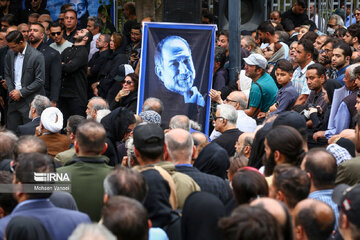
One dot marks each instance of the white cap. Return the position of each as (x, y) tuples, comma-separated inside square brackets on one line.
[(256, 60)]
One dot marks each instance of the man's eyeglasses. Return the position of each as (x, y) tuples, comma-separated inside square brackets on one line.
[(55, 33), (216, 118), (325, 51), (12, 167), (331, 26), (228, 100)]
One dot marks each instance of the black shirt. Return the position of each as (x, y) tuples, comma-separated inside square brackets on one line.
[(70, 37), (298, 20), (228, 139), (74, 70)]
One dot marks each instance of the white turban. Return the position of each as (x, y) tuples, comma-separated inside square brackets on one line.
[(52, 119)]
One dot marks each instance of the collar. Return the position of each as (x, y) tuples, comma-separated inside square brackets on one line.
[(45, 200), (87, 159), (184, 165), (23, 52), (341, 71)]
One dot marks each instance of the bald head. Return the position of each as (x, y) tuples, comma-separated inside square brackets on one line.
[(180, 121), (154, 104), (322, 168), (95, 104), (239, 98), (244, 143), (199, 138), (315, 218), (179, 145), (273, 207), (11, 28)]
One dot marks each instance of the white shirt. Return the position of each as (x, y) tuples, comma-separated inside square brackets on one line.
[(244, 123), (18, 66), (93, 48)]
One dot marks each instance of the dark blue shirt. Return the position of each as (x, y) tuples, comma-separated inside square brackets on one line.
[(285, 98)]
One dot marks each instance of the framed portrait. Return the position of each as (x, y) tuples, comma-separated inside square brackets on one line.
[(177, 68)]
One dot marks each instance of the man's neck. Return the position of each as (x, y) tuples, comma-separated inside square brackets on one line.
[(103, 49), (318, 90), (342, 66), (35, 45), (181, 162), (132, 17), (304, 64), (84, 154), (356, 46), (80, 43), (229, 127), (68, 31), (62, 41), (257, 77)]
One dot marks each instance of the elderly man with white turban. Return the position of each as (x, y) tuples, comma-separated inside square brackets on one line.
[(51, 123)]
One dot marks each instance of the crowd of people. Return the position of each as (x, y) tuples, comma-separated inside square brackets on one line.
[(279, 161)]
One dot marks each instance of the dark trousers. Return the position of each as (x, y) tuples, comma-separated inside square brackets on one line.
[(71, 106), (17, 116)]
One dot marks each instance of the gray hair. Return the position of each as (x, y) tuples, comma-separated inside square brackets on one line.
[(101, 114), (91, 231), (228, 112), (352, 71), (40, 103), (237, 97), (97, 22), (180, 121), (147, 105), (339, 20), (195, 125), (179, 150)]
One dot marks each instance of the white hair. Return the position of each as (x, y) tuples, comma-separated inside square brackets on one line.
[(228, 112), (102, 113), (91, 231), (339, 20)]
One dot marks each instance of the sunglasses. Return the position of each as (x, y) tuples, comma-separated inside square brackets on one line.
[(55, 33), (128, 82)]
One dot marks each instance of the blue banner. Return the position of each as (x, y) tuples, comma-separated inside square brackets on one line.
[(177, 67)]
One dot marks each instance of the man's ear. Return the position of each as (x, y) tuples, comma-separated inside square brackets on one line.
[(94, 114), (158, 71), (104, 149), (166, 154), (2, 212), (299, 232), (106, 198), (277, 156), (72, 136), (194, 152), (76, 145)]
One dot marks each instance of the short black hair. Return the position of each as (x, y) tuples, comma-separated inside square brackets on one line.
[(285, 65), (220, 56), (126, 218), (267, 27), (354, 30), (74, 121), (90, 135), (71, 10), (57, 24), (89, 35), (10, 19), (40, 25), (302, 3), (31, 163), (7, 200), (292, 182), (136, 26), (308, 46), (345, 47), (14, 37), (320, 69), (224, 33)]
